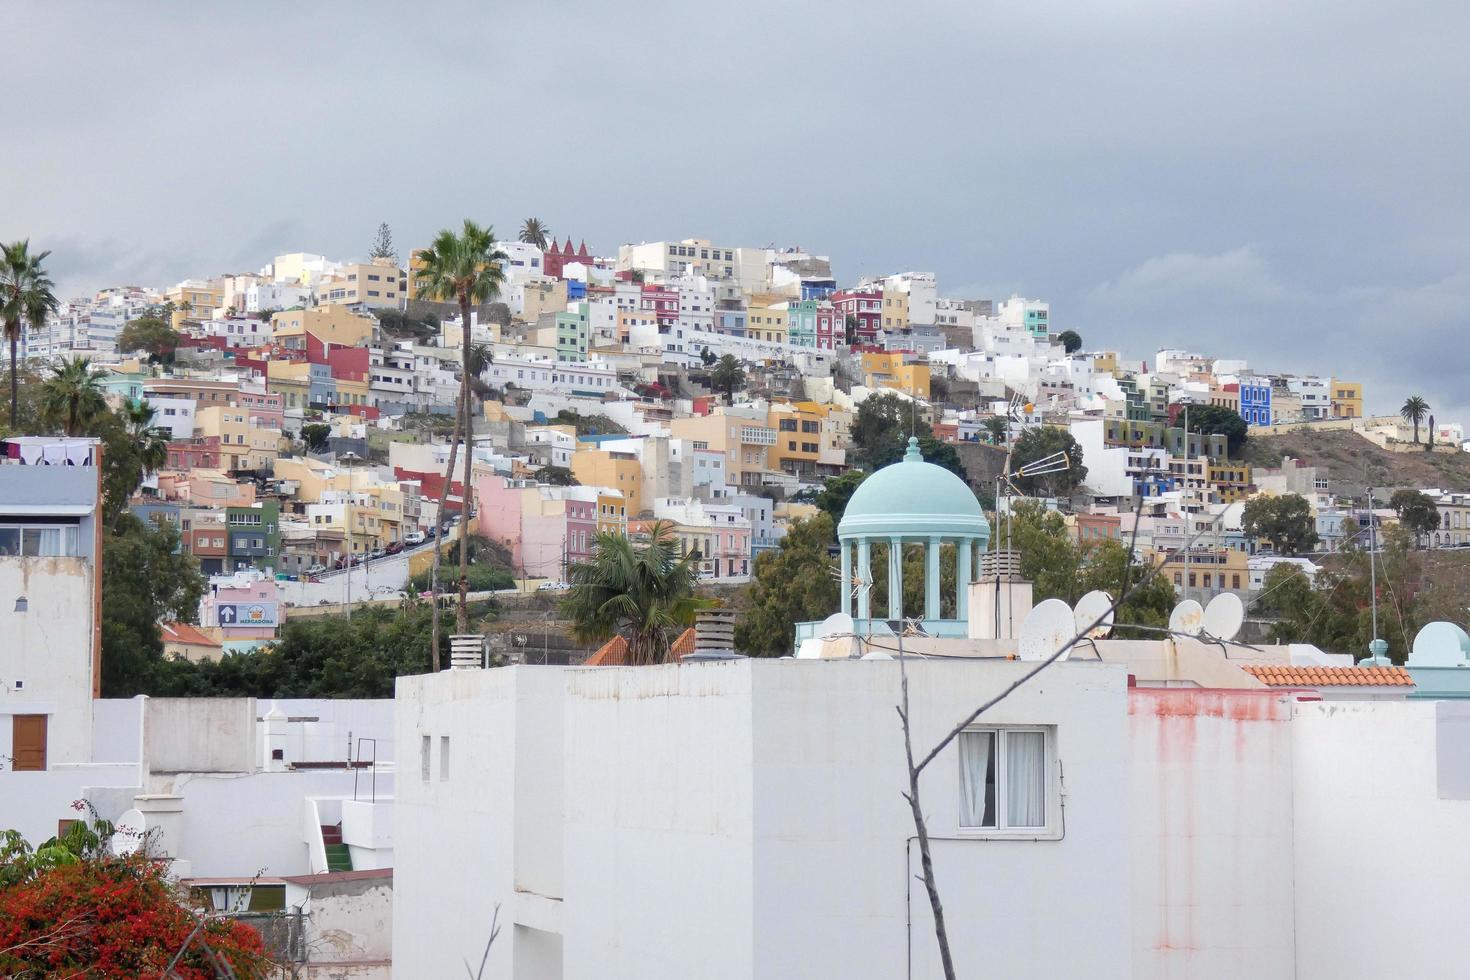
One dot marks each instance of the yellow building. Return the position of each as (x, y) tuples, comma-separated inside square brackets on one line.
[(895, 309), (616, 471), (1207, 570), (1231, 481), (798, 439), (328, 324), (291, 380), (195, 298), (540, 296), (888, 370), (612, 511), (766, 318), (1347, 399), (1105, 363), (242, 446), (378, 284), (747, 443)]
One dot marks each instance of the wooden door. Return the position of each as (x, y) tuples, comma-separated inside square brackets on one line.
[(28, 743)]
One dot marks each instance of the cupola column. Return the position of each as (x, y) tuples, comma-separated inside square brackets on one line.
[(846, 583), (895, 578), (963, 547), (865, 571), (931, 577)]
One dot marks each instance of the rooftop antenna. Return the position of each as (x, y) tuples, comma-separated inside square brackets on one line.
[(1378, 648)]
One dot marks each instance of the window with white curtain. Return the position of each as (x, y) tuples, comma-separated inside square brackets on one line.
[(1005, 779)]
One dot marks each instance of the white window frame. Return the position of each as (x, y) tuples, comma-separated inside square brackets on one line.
[(1051, 827)]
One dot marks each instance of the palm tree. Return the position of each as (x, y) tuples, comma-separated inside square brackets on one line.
[(642, 591), (997, 428), (481, 357), (151, 440), (535, 232), (1414, 411), (73, 395), (25, 298), (728, 374), (467, 269)]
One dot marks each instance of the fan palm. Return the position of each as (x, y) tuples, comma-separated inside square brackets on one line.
[(1414, 411), (150, 440), (466, 269), (727, 375), (73, 395), (642, 591), (25, 298), (535, 232)]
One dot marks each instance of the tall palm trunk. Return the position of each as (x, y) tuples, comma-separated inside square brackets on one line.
[(14, 398), (435, 658), (462, 614)]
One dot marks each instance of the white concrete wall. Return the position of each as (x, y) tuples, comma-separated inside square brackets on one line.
[(380, 578), (48, 649), (1211, 778), (1380, 833), (117, 729), (831, 828), (239, 823), (454, 838), (33, 802), (340, 722), (659, 823), (200, 735)]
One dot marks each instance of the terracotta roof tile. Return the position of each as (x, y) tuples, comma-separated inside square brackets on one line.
[(1284, 675), (185, 633), (614, 653)]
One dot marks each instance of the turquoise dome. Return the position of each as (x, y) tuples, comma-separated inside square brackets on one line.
[(913, 498)]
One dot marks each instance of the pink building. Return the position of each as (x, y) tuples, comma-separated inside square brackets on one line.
[(246, 608), (546, 528)]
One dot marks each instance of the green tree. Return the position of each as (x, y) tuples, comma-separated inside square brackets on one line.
[(150, 335), (1286, 521), (880, 434), (1414, 411), (642, 591), (556, 476), (997, 428), (72, 397), (707, 357), (150, 441), (146, 577), (26, 298), (1219, 420), (850, 329), (1039, 442), (1070, 340), (468, 269), (836, 492), (315, 435), (792, 584), (727, 375), (535, 232), (1417, 511), (383, 244)]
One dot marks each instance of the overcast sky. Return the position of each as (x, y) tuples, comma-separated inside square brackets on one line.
[(1284, 182)]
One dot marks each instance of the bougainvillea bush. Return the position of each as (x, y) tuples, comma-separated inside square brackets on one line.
[(94, 915)]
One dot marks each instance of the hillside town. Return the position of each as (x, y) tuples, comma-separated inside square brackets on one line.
[(703, 516)]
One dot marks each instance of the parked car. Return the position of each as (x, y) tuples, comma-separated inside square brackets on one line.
[(316, 569), (394, 548), (414, 537), (376, 553)]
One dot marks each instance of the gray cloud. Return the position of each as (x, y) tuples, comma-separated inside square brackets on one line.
[(1278, 181)]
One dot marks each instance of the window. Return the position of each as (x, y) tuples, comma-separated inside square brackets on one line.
[(39, 541), (443, 758), (425, 748), (1004, 779)]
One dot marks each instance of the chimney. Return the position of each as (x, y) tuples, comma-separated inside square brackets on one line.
[(1000, 600)]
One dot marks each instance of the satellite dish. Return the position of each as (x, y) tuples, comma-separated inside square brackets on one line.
[(835, 625), (1049, 626), (810, 649), (1224, 615), (128, 833), (1188, 617), (1090, 607)]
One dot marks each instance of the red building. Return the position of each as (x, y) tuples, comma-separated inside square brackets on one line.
[(196, 452), (558, 258), (866, 306), (662, 303)]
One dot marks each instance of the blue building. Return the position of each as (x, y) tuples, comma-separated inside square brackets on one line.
[(1255, 401), (815, 288)]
